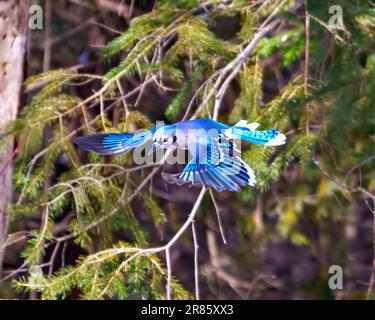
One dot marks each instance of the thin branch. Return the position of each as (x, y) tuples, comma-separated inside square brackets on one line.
[(359, 166), (236, 65), (196, 261), (53, 257), (63, 252), (169, 273), (104, 26), (122, 92), (190, 218), (118, 270), (79, 28), (102, 113), (331, 30), (217, 209)]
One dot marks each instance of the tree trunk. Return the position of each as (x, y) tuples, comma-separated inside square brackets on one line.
[(13, 31)]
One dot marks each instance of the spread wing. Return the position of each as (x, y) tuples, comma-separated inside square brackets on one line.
[(215, 164), (113, 143)]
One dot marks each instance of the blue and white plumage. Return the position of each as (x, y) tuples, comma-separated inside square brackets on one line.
[(215, 159)]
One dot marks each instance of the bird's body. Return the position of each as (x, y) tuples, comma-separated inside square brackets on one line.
[(205, 124), (188, 130), (215, 159)]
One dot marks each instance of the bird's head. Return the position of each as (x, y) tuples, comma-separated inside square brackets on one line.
[(164, 137)]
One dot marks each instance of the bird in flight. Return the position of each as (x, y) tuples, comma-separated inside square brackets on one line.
[(215, 161)]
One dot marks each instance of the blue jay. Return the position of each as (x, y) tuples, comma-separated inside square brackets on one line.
[(215, 158)]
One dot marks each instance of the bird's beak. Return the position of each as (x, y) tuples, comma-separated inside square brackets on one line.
[(153, 148)]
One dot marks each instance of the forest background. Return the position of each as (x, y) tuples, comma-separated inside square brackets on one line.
[(74, 225)]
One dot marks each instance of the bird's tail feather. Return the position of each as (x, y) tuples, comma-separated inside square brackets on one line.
[(245, 131)]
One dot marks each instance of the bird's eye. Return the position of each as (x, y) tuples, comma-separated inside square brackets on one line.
[(174, 139), (165, 140)]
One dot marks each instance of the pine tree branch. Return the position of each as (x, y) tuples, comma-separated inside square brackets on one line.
[(135, 251), (38, 156)]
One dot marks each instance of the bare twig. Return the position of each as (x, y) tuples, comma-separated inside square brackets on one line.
[(79, 28), (53, 257), (196, 261), (217, 209), (122, 92), (169, 273), (331, 30), (236, 66), (102, 113), (93, 21)]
